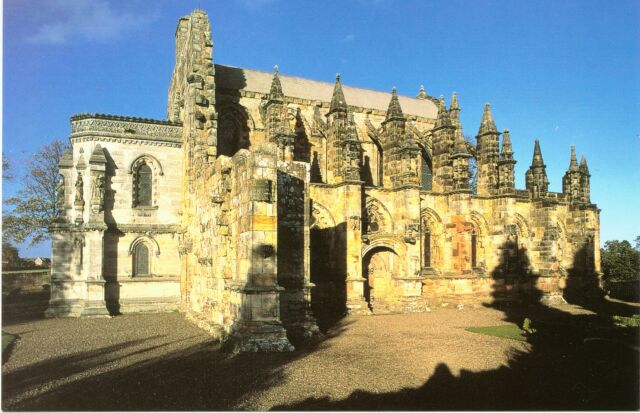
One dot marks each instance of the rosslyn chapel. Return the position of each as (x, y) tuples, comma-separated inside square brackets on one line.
[(265, 204)]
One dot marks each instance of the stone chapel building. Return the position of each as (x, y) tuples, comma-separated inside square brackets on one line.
[(265, 202)]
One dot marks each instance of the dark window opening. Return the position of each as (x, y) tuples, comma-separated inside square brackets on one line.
[(474, 249), (143, 190), (427, 248), (380, 168), (427, 174), (141, 260)]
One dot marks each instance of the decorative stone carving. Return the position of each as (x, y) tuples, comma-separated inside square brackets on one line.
[(97, 195), (60, 198), (79, 190), (354, 223), (412, 231), (261, 190), (119, 125)]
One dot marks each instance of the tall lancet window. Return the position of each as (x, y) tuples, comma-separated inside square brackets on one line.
[(380, 166), (143, 189), (427, 247), (427, 174), (474, 249)]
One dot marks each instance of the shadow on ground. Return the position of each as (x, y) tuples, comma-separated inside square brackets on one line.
[(197, 377), (24, 306), (576, 361)]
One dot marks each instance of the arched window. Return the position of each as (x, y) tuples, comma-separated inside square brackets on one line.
[(380, 167), (141, 260), (474, 249), (427, 174), (143, 186), (427, 247)]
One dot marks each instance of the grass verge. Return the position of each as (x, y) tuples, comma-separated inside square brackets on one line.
[(7, 339), (509, 331)]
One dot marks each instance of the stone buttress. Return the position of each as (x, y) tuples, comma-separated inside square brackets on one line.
[(266, 205)]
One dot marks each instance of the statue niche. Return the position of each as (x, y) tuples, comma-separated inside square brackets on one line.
[(378, 219)]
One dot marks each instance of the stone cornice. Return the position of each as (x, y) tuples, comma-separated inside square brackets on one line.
[(143, 228), (81, 116), (126, 129), (124, 139)]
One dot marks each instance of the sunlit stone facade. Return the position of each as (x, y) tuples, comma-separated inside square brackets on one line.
[(266, 203)]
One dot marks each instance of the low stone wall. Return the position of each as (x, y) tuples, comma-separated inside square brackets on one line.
[(478, 289), (623, 290), (26, 280), (134, 295)]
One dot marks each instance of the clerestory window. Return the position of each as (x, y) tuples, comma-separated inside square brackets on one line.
[(143, 186), (427, 174)]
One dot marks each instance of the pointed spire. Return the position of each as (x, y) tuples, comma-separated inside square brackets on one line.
[(394, 112), (573, 164), (460, 145), (97, 156), (454, 102), (338, 102), (443, 115), (537, 155), (506, 152), (276, 87), (583, 165), (422, 94), (487, 125), (66, 161)]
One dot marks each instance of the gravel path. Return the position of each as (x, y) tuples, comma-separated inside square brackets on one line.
[(163, 362)]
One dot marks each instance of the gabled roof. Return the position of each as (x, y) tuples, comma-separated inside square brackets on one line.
[(257, 81)]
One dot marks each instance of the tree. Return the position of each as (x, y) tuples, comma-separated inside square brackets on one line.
[(35, 204), (7, 173), (10, 257), (620, 261)]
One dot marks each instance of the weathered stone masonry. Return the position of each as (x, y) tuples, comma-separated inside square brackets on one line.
[(267, 203)]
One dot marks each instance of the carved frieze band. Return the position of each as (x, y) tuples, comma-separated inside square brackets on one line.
[(125, 140), (120, 127), (151, 228)]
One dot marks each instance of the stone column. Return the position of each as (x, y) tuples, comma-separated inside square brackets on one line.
[(293, 252), (95, 304), (255, 290), (408, 281), (352, 194), (67, 295)]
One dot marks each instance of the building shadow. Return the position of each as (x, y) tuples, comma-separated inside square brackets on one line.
[(111, 240), (329, 274), (575, 359), (302, 145), (316, 173), (365, 172)]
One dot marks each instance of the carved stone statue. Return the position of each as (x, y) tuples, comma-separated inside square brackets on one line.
[(97, 196), (79, 190), (60, 201)]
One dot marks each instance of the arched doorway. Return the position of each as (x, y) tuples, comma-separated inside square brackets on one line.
[(378, 266)]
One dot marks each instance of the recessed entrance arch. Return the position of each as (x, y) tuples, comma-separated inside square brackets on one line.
[(378, 266)]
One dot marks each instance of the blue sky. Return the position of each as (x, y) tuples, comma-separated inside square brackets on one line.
[(561, 71)]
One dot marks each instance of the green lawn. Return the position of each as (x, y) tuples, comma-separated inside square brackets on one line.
[(621, 321), (6, 340), (510, 331)]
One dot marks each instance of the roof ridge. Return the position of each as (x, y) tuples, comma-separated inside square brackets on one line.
[(319, 81)]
